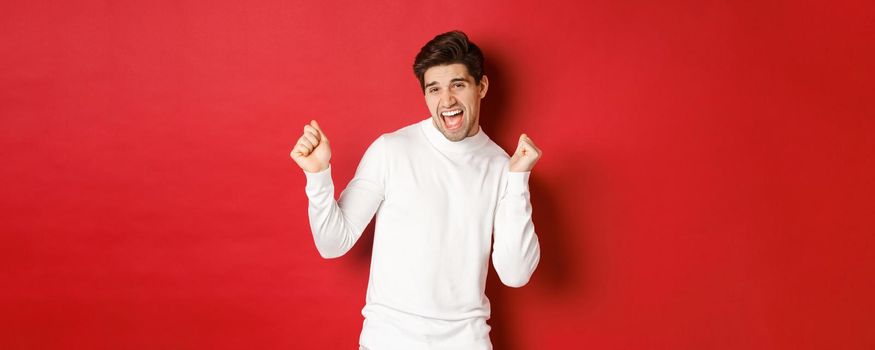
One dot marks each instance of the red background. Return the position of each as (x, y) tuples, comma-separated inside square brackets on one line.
[(707, 179)]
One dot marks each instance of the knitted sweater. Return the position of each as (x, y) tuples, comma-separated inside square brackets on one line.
[(439, 206)]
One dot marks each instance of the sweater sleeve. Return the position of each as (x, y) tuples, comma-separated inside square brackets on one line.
[(516, 251), (337, 225)]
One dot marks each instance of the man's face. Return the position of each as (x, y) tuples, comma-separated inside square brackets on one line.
[(453, 98)]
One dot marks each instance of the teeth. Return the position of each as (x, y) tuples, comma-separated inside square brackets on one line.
[(451, 113)]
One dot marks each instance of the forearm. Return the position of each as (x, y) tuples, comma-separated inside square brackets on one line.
[(516, 251), (335, 227)]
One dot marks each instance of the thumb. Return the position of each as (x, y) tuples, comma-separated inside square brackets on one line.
[(315, 125), (521, 144)]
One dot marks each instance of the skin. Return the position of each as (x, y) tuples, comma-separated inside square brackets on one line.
[(312, 152), (450, 87), (447, 87)]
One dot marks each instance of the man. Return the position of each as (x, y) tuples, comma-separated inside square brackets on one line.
[(440, 188)]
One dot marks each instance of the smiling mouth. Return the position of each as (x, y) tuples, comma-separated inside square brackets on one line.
[(452, 119)]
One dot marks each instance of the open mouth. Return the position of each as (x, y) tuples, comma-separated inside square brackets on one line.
[(452, 119)]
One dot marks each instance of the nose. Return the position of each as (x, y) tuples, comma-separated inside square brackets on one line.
[(447, 99)]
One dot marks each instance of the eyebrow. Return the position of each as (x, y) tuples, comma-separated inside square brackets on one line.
[(451, 81)]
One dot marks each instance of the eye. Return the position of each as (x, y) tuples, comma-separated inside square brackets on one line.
[(432, 90), (459, 85)]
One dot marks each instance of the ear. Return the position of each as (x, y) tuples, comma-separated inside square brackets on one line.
[(484, 85)]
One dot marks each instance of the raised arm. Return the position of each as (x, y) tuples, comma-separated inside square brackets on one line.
[(516, 251), (337, 225)]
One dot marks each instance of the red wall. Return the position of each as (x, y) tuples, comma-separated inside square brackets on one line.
[(707, 179)]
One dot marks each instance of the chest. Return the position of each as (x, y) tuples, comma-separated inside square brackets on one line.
[(462, 187)]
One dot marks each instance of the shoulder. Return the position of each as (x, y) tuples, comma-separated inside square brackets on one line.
[(494, 151), (389, 144), (403, 136)]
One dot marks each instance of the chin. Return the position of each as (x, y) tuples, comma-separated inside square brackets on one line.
[(451, 137), (454, 136)]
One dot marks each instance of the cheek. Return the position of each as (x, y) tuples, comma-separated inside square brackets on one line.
[(471, 103), (431, 104)]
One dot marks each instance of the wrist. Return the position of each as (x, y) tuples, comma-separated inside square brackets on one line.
[(317, 169), (520, 168)]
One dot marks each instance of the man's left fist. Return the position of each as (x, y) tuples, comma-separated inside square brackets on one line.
[(526, 155)]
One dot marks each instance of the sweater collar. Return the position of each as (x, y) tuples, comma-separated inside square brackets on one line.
[(436, 138)]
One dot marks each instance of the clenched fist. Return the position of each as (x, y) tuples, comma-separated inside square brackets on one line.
[(525, 156), (312, 152)]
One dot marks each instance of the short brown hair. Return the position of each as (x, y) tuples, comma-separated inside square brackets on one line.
[(448, 48)]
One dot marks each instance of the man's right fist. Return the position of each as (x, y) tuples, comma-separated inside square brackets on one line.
[(312, 152)]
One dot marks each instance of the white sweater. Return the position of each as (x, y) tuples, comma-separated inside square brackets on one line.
[(437, 204)]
